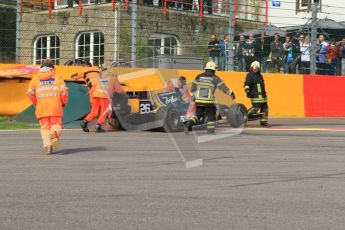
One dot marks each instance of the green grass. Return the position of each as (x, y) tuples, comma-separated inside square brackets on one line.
[(8, 124)]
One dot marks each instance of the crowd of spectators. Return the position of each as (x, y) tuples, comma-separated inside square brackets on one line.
[(218, 51), (291, 56), (186, 5)]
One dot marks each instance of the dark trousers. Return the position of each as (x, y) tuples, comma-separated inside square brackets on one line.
[(249, 61), (290, 68), (275, 65), (258, 110), (322, 68), (332, 67), (205, 112), (304, 67)]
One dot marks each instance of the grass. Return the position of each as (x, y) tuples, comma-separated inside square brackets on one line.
[(7, 124)]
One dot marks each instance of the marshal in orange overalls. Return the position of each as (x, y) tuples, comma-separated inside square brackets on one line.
[(49, 94), (100, 97)]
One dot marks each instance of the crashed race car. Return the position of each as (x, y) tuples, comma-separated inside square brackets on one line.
[(140, 109)]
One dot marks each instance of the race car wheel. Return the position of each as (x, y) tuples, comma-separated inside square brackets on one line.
[(171, 119), (237, 115), (115, 123)]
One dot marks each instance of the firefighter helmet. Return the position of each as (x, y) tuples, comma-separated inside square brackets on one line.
[(255, 64), (210, 65)]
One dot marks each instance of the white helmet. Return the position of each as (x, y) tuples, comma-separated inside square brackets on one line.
[(255, 64), (211, 65)]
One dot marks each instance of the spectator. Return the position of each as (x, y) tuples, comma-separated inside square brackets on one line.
[(277, 52), (321, 55), (187, 5), (179, 4), (224, 49), (70, 2), (262, 51), (342, 56), (193, 5), (209, 6), (249, 51), (291, 55), (301, 39), (214, 49), (157, 2), (240, 54), (338, 67), (305, 48), (331, 57)]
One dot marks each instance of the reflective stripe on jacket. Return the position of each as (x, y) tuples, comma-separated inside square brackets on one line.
[(255, 87), (205, 85), (48, 92)]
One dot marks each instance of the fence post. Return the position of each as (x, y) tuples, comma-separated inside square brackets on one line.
[(201, 10), (18, 23), (313, 39), (134, 33), (230, 52)]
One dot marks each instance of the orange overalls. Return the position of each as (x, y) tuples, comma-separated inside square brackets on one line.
[(99, 97), (48, 93)]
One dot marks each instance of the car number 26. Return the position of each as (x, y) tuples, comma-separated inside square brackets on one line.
[(145, 108)]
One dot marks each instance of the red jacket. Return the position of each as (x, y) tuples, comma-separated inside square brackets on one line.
[(332, 52)]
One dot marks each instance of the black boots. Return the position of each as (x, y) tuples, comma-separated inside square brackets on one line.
[(264, 124), (84, 126), (86, 129), (99, 129), (187, 127)]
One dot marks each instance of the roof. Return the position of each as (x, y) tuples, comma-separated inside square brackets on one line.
[(269, 30), (325, 23)]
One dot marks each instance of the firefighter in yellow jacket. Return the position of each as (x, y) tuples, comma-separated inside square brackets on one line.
[(49, 94), (202, 92)]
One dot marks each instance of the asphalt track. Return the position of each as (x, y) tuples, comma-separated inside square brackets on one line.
[(291, 176)]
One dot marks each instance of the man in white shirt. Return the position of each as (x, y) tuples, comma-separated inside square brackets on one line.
[(305, 48)]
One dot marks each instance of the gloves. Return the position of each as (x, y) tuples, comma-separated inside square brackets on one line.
[(233, 96), (74, 76), (247, 92)]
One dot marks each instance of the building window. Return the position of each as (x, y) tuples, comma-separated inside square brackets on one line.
[(164, 44), (305, 5), (64, 3), (90, 47), (47, 47)]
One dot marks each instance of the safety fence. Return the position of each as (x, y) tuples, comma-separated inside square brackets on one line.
[(248, 9), (288, 95), (72, 32)]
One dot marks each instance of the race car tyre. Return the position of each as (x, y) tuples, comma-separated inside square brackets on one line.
[(222, 111), (171, 119), (237, 115), (115, 123)]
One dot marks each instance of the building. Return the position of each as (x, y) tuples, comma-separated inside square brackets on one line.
[(289, 13), (7, 31), (102, 33)]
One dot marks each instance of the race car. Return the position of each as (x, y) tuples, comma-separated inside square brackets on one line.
[(141, 109)]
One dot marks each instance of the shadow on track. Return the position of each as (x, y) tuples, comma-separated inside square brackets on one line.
[(79, 150)]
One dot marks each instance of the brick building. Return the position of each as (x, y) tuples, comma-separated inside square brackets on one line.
[(98, 34)]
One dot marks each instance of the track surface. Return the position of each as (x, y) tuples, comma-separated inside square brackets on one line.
[(291, 176)]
